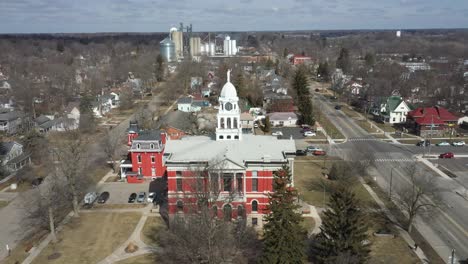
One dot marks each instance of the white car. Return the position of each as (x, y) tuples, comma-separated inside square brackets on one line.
[(310, 134), (459, 143), (277, 133), (443, 144), (150, 197)]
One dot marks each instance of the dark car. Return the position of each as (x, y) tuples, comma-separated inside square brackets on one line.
[(301, 152), (103, 197), (337, 107), (333, 98), (132, 198), (423, 143), (36, 182), (446, 155)]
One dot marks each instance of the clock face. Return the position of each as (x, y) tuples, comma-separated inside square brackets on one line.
[(228, 106)]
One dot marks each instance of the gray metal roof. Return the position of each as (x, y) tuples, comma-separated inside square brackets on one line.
[(5, 147), (250, 148), (149, 135), (185, 100), (10, 116), (41, 119)]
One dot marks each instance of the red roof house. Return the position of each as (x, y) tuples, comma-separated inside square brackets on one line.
[(431, 120)]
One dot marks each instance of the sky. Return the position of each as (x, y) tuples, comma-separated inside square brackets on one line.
[(87, 16)]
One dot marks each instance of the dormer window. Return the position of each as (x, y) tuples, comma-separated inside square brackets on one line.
[(138, 146), (152, 146)]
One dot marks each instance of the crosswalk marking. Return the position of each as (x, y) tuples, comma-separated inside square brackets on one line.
[(362, 139), (394, 160)]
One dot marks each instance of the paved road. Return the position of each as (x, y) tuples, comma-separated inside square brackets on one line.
[(446, 228)]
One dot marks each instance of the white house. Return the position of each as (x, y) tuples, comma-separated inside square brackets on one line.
[(185, 104), (395, 110), (463, 119), (12, 157), (288, 119), (247, 122), (73, 111)]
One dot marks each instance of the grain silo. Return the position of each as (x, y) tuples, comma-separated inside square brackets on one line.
[(167, 49), (177, 38)]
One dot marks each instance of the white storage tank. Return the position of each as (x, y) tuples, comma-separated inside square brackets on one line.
[(233, 47), (212, 49)]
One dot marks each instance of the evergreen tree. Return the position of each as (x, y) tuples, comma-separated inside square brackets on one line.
[(370, 59), (285, 52), (343, 230), (324, 71), (344, 62), (301, 85), (87, 122), (283, 235), (300, 82), (159, 68), (239, 83)]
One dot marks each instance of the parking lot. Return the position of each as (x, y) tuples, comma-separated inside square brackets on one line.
[(120, 191)]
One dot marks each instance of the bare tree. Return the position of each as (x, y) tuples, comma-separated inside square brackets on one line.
[(45, 206), (417, 196), (112, 147), (71, 161)]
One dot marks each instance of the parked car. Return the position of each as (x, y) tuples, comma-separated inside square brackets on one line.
[(338, 107), (103, 197), (310, 134), (255, 125), (301, 152), (36, 182), (151, 196), (423, 143), (443, 144), (141, 197), (90, 198), (132, 198), (459, 143), (312, 148), (333, 98), (277, 133), (319, 153), (446, 155)]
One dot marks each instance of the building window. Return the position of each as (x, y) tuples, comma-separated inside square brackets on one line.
[(214, 182), (179, 184), (178, 173), (281, 123), (222, 122), (227, 182), (227, 212), (239, 181), (140, 171), (254, 206), (254, 221), (139, 158), (152, 159), (254, 185), (138, 146), (235, 122), (153, 171), (228, 137), (254, 174), (151, 146), (221, 137), (240, 211), (394, 119), (236, 137), (180, 206), (229, 125)]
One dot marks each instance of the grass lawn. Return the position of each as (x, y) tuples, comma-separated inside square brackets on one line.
[(350, 112), (385, 127), (366, 126), (152, 226), (388, 250), (19, 253), (90, 238), (331, 130), (143, 259), (310, 172), (21, 187), (3, 203)]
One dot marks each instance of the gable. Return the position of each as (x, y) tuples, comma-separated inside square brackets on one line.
[(226, 164), (402, 107)]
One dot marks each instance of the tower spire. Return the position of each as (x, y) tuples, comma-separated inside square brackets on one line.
[(229, 75)]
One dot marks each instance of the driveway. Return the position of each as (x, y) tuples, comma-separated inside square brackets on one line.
[(295, 132)]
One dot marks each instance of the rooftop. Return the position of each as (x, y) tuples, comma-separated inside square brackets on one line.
[(250, 148)]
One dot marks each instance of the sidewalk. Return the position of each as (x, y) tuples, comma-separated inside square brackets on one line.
[(419, 253), (313, 213)]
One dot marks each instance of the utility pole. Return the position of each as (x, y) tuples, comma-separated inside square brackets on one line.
[(390, 188), (432, 125)]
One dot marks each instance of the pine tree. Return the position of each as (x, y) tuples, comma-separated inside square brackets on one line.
[(239, 83), (283, 235), (343, 62), (301, 85), (343, 230)]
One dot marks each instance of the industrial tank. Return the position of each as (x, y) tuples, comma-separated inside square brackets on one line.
[(167, 49)]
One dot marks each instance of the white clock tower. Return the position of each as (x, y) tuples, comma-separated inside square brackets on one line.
[(229, 126)]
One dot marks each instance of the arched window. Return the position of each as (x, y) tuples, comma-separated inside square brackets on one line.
[(151, 146), (222, 122), (227, 212), (235, 122), (229, 125), (180, 206), (221, 137), (240, 211), (236, 137), (215, 210), (254, 206), (138, 146), (228, 137)]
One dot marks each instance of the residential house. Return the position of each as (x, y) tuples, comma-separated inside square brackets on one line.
[(431, 121), (5, 87), (188, 104), (247, 122), (280, 119), (73, 111), (6, 103), (299, 59), (10, 122), (45, 124), (394, 110), (12, 156)]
